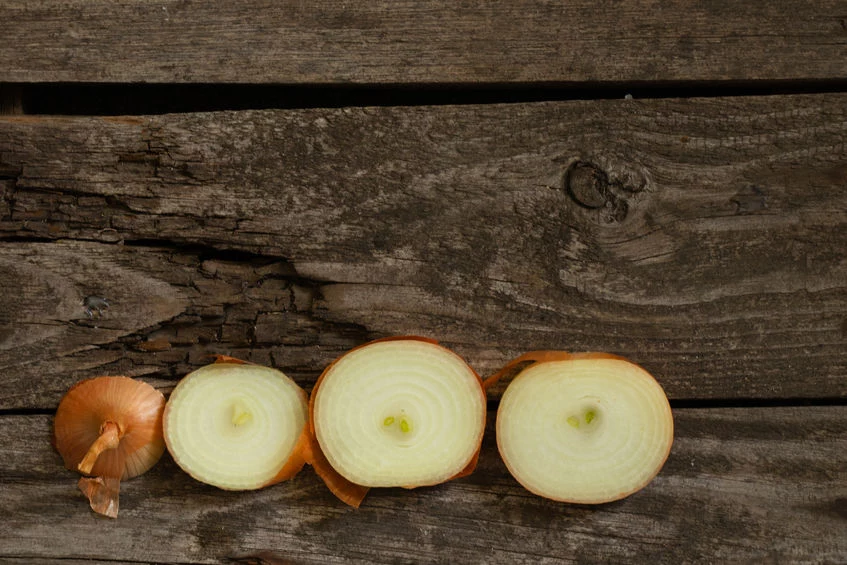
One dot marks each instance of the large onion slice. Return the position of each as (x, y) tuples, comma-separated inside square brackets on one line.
[(397, 412), (237, 426), (583, 428)]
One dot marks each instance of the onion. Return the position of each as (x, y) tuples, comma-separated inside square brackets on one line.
[(584, 428), (111, 428), (237, 426), (396, 412)]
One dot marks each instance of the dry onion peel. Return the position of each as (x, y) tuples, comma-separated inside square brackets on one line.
[(400, 411), (111, 428), (346, 491), (103, 494), (584, 428), (237, 426)]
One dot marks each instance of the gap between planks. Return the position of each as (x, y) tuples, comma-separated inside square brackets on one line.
[(105, 99)]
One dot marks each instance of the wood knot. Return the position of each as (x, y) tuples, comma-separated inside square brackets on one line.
[(587, 184), (590, 186)]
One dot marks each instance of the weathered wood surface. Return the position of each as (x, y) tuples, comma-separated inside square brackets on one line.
[(703, 238), (413, 42), (741, 485)]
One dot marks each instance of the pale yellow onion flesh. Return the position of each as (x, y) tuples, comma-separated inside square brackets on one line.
[(234, 426), (399, 413), (584, 430)]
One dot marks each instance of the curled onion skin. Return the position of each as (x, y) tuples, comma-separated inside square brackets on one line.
[(586, 428), (236, 425), (103, 493), (339, 480)]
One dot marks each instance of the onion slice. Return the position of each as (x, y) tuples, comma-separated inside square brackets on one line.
[(111, 428), (584, 428), (237, 426), (395, 412)]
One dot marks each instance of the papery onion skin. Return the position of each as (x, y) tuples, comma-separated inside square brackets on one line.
[(296, 458), (134, 406), (103, 493), (347, 491), (540, 357)]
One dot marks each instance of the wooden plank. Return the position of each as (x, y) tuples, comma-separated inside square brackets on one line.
[(413, 41), (741, 485), (716, 256)]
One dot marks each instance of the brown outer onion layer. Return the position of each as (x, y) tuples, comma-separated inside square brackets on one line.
[(134, 406), (348, 492)]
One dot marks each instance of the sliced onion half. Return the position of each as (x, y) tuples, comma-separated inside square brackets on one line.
[(236, 426), (399, 412), (583, 428)]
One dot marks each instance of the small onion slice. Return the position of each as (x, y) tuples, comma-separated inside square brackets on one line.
[(237, 426), (397, 412), (110, 428), (584, 428)]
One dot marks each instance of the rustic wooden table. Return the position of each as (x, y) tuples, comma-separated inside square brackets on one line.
[(281, 181)]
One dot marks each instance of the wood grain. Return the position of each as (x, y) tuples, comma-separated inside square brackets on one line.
[(418, 42), (741, 485), (713, 252)]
